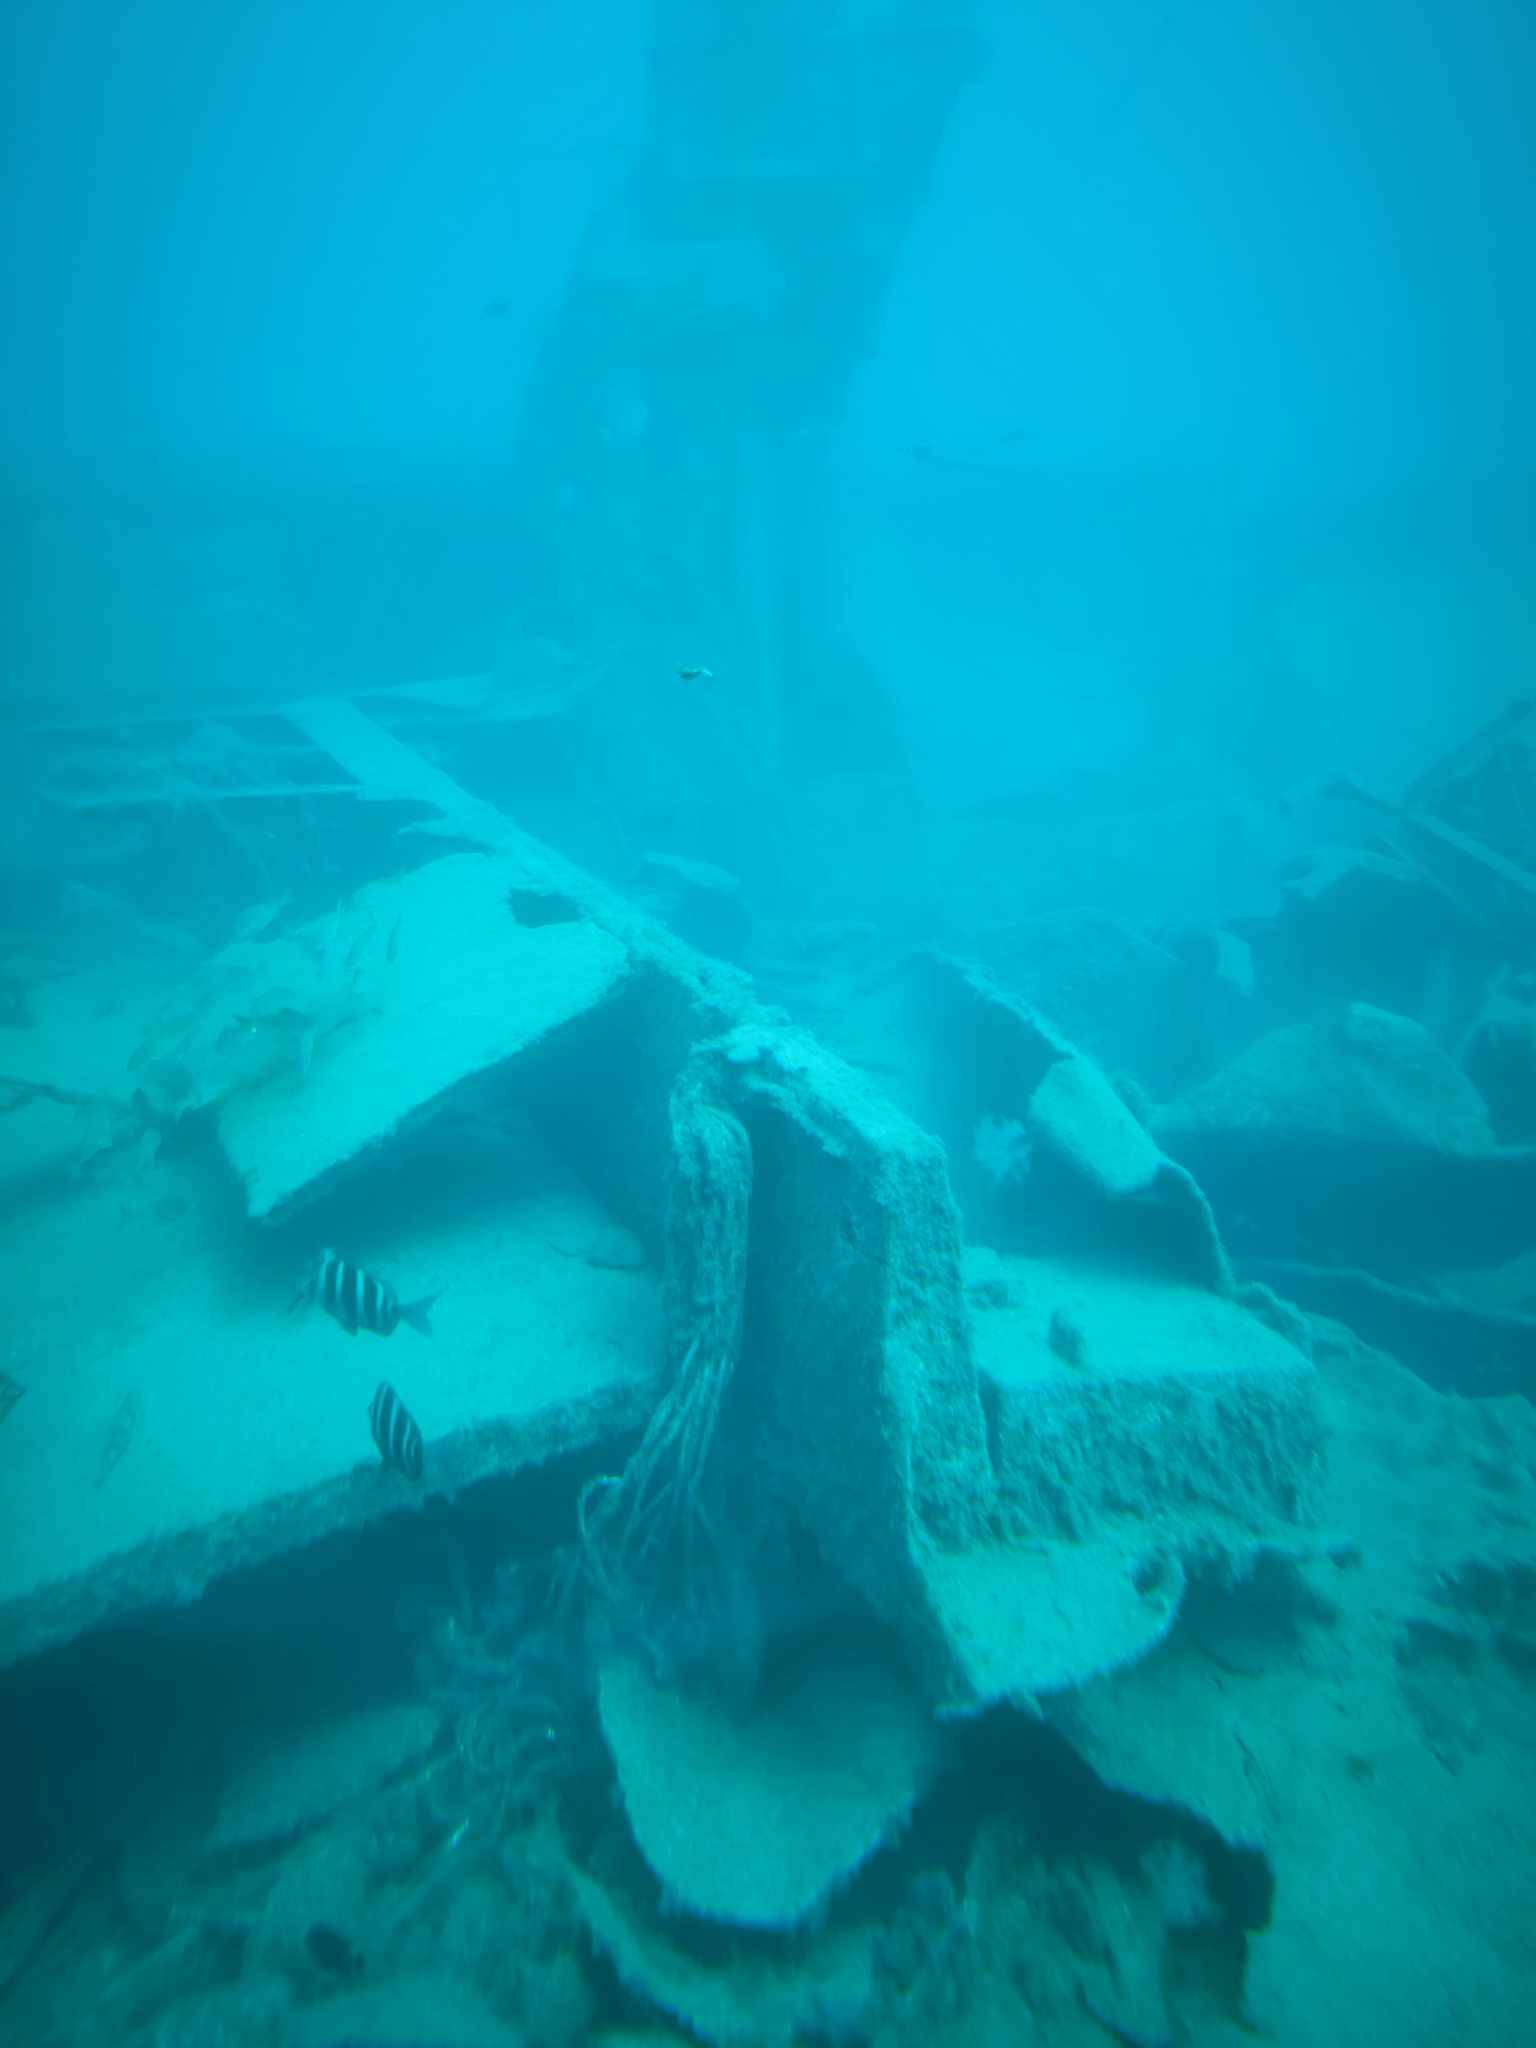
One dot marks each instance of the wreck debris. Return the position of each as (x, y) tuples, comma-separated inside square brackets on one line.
[(471, 987), (1453, 1343), (1468, 821), (276, 1790), (973, 1519), (646, 1535), (254, 1015), (815, 1775), (701, 902), (1319, 1131), (630, 1523), (1484, 786), (1498, 1054)]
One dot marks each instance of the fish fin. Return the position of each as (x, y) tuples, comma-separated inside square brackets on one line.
[(417, 1313), (305, 1293)]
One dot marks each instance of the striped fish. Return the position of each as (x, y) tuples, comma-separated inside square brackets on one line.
[(395, 1432), (362, 1301)]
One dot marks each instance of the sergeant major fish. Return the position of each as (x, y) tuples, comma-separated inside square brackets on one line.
[(395, 1432), (362, 1301)]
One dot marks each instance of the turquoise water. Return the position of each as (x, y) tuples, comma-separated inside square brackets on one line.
[(824, 713)]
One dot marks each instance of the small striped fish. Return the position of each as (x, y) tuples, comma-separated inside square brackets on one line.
[(362, 1301), (395, 1432)]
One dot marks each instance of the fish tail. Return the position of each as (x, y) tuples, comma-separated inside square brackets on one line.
[(418, 1313)]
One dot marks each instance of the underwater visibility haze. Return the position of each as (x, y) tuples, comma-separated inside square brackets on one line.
[(767, 1024)]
